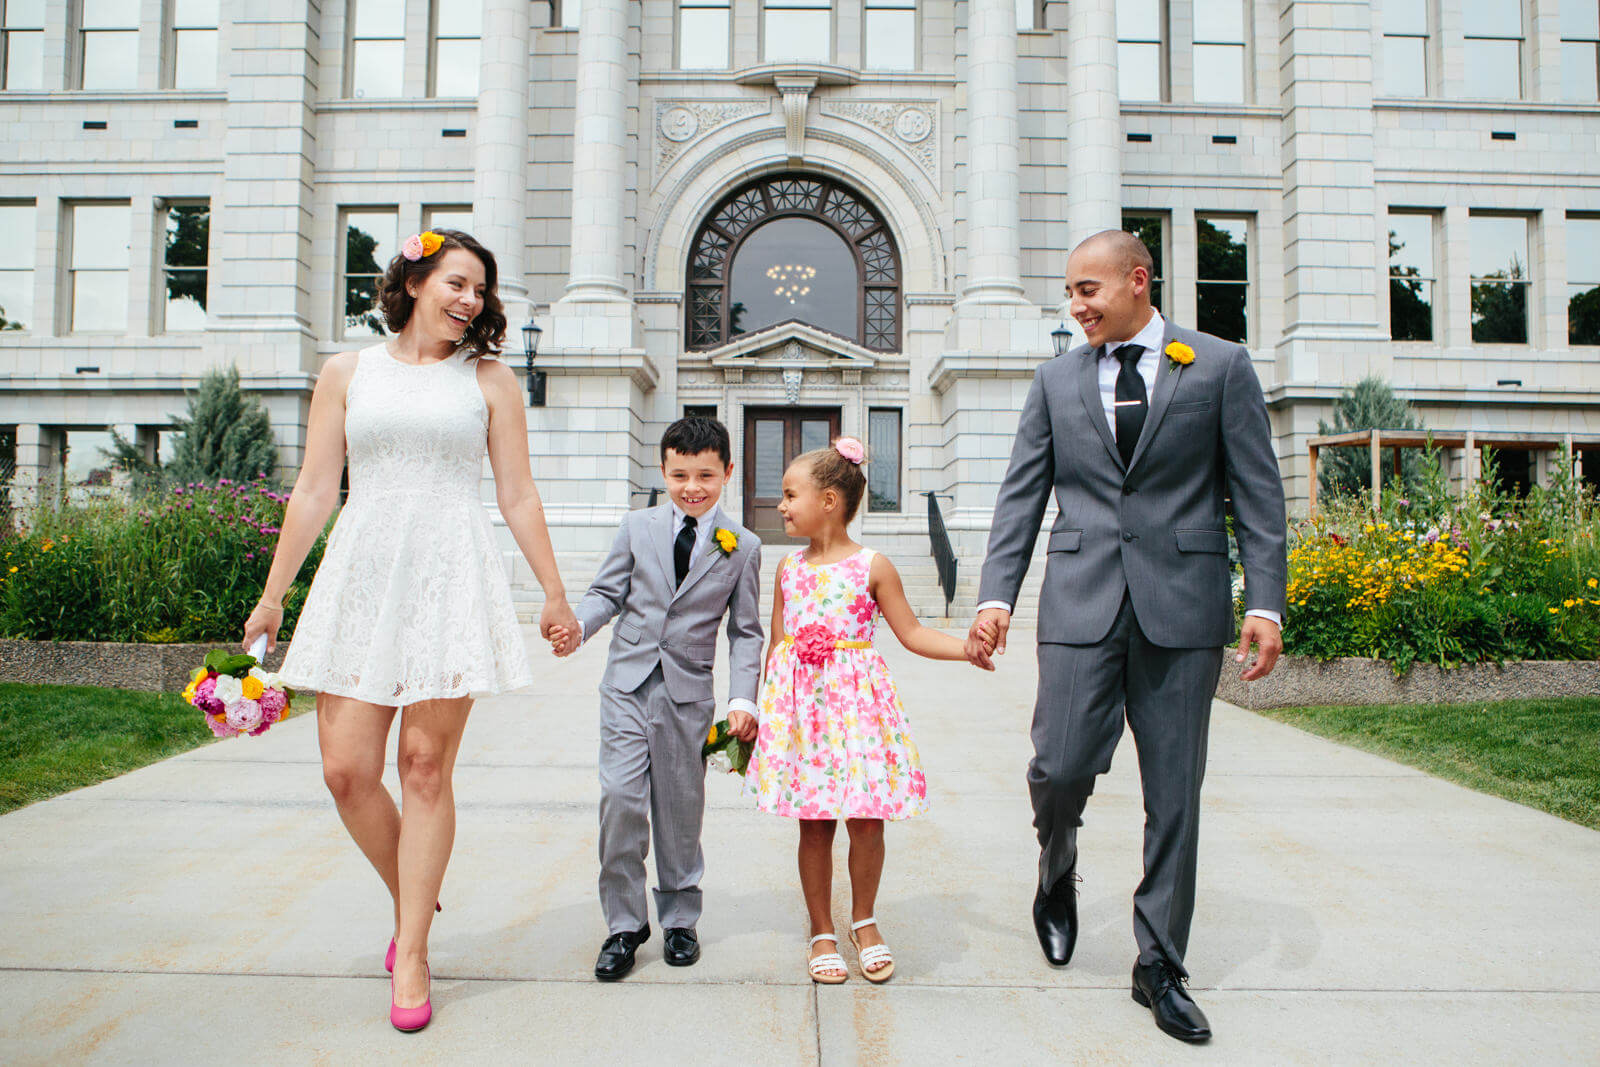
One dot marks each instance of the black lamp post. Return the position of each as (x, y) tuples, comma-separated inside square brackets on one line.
[(530, 347), (1061, 337)]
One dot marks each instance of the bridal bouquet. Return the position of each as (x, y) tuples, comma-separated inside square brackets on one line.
[(724, 751), (235, 695)]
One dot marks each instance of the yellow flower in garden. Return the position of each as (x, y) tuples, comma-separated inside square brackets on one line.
[(1180, 353), (47, 545), (1368, 528), (1593, 582), (252, 688), (1555, 611), (430, 242)]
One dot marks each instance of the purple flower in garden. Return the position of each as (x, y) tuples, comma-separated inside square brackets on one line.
[(1404, 502)]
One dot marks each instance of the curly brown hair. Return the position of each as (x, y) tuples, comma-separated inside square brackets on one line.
[(830, 470), (486, 333)]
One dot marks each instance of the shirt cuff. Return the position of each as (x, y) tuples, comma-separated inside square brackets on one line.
[(1001, 604), (746, 706), (1271, 616), (582, 637)]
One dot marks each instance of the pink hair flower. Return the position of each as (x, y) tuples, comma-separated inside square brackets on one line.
[(412, 249), (851, 449)]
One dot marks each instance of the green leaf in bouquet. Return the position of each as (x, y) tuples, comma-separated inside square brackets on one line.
[(718, 731), (739, 755)]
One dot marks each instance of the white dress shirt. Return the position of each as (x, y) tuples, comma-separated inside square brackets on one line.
[(1149, 363)]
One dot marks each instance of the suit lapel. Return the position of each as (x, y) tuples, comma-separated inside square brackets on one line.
[(1167, 373), (661, 534), (707, 560), (1089, 387)]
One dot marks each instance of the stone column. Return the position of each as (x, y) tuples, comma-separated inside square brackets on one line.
[(599, 154), (994, 256), (1094, 121), (500, 178)]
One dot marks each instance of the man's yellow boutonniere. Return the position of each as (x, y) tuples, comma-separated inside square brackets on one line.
[(727, 541), (1180, 353)]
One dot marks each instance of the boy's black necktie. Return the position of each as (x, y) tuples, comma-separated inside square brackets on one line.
[(682, 546), (1132, 402)]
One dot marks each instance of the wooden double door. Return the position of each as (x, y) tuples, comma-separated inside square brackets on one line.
[(773, 437)]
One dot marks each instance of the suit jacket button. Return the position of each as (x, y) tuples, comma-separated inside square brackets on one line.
[(1127, 535), (1127, 490)]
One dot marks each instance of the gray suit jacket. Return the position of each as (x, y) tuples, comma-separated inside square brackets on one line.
[(676, 626), (1154, 528)]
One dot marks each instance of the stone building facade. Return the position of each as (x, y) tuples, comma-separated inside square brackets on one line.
[(189, 184)]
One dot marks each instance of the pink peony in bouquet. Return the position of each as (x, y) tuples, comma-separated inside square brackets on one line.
[(236, 696)]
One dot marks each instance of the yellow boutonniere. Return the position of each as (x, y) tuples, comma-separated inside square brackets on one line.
[(727, 541), (1180, 353)]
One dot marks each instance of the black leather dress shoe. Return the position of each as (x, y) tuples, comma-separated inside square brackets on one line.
[(616, 955), (1055, 919), (1158, 987), (681, 946)]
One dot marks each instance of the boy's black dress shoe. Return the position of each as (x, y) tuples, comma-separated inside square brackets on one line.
[(1158, 987), (1055, 919), (616, 955), (681, 946)]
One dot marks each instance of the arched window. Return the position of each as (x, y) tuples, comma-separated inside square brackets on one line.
[(794, 248)]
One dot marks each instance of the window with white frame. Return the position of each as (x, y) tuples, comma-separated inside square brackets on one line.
[(377, 48), (22, 44), (457, 31), (16, 269), (704, 30), (883, 467), (1219, 52), (97, 266), (1498, 259), (448, 217), (1151, 229), (1139, 61), (798, 31), (187, 256), (1583, 279), (1493, 48), (371, 239), (1411, 275), (1222, 276), (108, 44), (1405, 47), (889, 34), (194, 44), (1580, 50)]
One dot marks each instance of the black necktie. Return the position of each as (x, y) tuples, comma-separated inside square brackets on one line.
[(1131, 401), (682, 546)]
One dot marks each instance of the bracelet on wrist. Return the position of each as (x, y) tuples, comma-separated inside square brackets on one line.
[(264, 603)]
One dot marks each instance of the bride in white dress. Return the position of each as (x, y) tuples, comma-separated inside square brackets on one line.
[(410, 606)]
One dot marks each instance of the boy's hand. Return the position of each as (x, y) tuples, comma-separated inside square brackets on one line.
[(742, 724), (563, 642)]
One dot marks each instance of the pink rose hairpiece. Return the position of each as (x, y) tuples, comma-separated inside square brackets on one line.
[(851, 449), (421, 245)]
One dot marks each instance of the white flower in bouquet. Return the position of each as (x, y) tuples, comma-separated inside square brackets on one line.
[(718, 761), (259, 675), (229, 689), (272, 680)]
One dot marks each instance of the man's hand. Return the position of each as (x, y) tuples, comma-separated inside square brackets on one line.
[(742, 724), (987, 636), (1268, 639)]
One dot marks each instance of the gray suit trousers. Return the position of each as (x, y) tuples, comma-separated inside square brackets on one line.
[(1165, 693), (651, 776)]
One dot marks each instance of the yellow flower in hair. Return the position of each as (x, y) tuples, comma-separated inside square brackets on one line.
[(430, 242), (727, 540), (1180, 353)]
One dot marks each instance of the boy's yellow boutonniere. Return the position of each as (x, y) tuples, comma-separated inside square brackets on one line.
[(727, 540), (1180, 353)]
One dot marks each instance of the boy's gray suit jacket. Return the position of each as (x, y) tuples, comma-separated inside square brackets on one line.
[(659, 622)]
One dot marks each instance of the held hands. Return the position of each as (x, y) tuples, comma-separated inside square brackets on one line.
[(559, 625), (265, 619), (742, 724), (1268, 639), (987, 637)]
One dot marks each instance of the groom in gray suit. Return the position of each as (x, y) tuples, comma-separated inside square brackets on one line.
[(1142, 434)]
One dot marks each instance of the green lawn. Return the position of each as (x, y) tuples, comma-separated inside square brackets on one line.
[(59, 737), (1543, 753)]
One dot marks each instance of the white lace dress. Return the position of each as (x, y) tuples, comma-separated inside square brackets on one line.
[(411, 601)]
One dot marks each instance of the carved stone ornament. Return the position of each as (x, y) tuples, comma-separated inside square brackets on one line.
[(680, 123), (792, 377), (909, 125)]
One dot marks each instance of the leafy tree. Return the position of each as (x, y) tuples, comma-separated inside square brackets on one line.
[(9, 324), (1371, 404), (1410, 312), (363, 273), (188, 238), (1220, 295), (226, 434), (1583, 318), (126, 455), (1500, 307)]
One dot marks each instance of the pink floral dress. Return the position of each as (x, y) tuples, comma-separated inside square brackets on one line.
[(834, 742)]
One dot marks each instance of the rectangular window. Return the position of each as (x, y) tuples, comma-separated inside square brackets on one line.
[(22, 44), (188, 244), (448, 217), (797, 31), (371, 239), (1030, 14), (1411, 276), (1583, 279), (377, 48), (194, 44), (16, 269), (883, 470), (1219, 52), (1222, 273), (1151, 229), (1405, 47), (569, 13), (97, 267), (704, 29), (108, 44), (890, 34), (1580, 50), (1493, 51), (1139, 61), (457, 28), (1498, 260)]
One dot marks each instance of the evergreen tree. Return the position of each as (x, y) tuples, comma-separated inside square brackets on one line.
[(225, 435), (1370, 405)]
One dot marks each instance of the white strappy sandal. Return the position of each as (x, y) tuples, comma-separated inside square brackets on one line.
[(827, 961), (872, 954)]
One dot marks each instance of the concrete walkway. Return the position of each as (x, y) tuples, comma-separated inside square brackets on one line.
[(1351, 910)]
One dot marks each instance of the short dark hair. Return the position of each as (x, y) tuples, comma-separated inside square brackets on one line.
[(486, 333), (697, 434)]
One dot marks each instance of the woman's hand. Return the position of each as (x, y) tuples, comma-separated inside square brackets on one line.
[(265, 619), (557, 613)]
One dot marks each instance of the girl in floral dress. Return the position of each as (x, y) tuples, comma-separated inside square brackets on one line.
[(833, 742)]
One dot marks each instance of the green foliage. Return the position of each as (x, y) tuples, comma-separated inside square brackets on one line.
[(1370, 404), (1583, 317), (127, 456), (186, 565), (226, 434)]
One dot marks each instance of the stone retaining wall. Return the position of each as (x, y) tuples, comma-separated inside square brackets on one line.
[(153, 668), (1302, 681)]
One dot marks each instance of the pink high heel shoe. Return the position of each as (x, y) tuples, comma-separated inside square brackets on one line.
[(388, 957), (410, 1020)]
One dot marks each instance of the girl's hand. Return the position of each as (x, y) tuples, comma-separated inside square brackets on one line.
[(742, 724), (265, 619), (563, 642)]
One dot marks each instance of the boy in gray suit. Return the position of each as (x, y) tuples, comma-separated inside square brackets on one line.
[(674, 572)]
